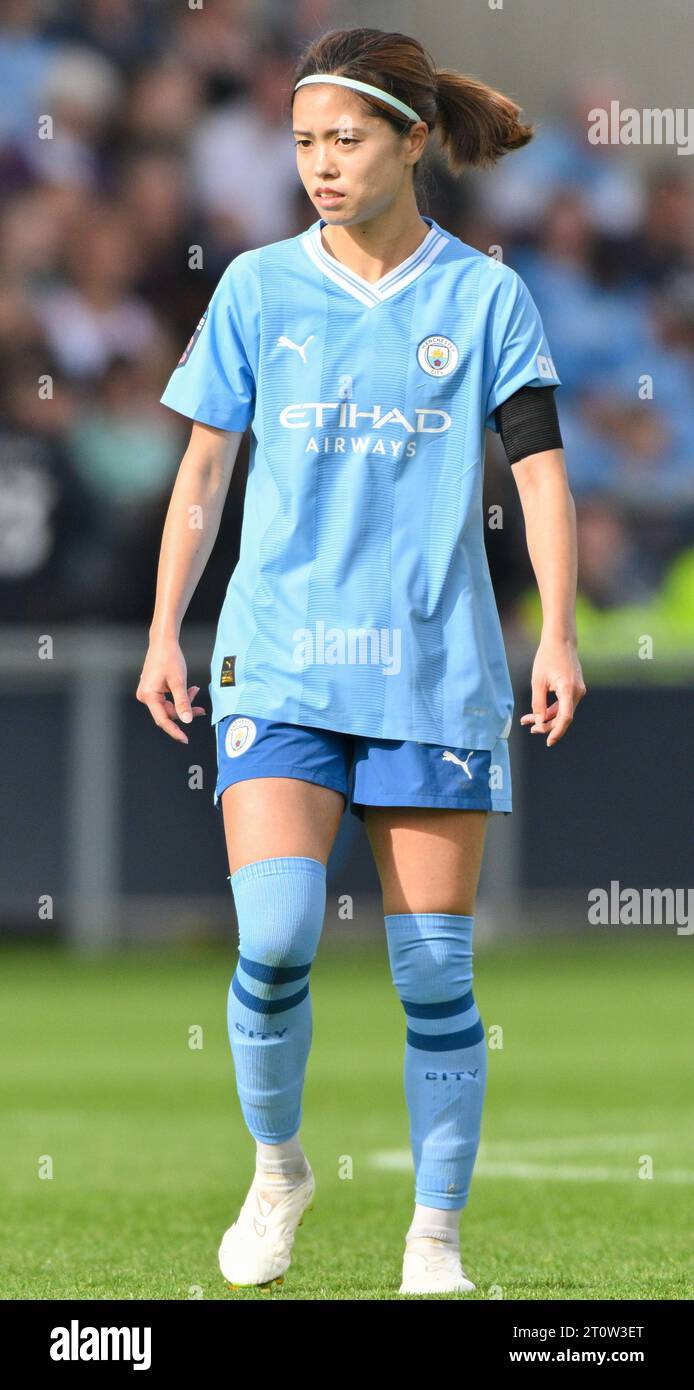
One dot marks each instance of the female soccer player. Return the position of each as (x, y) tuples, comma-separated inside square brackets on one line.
[(359, 657)]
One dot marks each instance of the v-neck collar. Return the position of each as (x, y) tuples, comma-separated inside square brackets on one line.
[(368, 292)]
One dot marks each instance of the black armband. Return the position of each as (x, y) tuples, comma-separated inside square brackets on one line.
[(528, 422)]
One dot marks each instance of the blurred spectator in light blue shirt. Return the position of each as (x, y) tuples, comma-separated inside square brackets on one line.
[(518, 191), (24, 56)]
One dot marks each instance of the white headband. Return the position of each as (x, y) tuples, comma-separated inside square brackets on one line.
[(361, 87)]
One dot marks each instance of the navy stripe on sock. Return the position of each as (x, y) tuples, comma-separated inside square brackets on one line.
[(443, 1010), (445, 1042), (273, 974), (266, 1006)]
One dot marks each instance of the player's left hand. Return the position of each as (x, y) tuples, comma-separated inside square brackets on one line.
[(556, 667)]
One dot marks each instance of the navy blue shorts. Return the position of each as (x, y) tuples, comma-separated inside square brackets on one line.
[(367, 771)]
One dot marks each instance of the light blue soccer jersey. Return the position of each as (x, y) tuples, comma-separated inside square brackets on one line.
[(362, 600)]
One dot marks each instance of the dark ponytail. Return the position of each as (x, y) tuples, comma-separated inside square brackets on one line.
[(476, 124)]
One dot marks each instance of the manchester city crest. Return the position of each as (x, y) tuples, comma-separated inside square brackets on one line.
[(239, 736), (438, 355)]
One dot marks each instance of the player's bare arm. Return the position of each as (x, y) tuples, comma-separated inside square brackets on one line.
[(550, 528), (190, 530)]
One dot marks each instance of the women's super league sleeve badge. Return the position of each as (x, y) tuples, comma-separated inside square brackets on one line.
[(193, 340)]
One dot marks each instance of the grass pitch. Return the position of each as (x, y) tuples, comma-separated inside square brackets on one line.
[(150, 1158)]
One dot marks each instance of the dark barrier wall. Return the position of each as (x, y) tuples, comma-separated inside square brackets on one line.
[(613, 800)]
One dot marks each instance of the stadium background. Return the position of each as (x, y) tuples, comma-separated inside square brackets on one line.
[(171, 133)]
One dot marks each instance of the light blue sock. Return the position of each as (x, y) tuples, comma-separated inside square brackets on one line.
[(280, 905), (445, 1050)]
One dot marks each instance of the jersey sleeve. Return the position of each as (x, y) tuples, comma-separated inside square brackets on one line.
[(213, 380), (518, 351)]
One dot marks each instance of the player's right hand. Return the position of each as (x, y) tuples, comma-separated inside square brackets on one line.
[(164, 674)]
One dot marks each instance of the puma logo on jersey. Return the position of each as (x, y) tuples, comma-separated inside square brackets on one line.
[(451, 758), (287, 342)]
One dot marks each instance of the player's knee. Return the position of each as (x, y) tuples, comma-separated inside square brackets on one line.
[(280, 906), (430, 956)]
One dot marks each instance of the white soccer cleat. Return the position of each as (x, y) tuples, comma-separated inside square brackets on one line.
[(433, 1266), (256, 1250)]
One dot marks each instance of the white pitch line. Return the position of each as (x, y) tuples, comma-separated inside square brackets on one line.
[(548, 1147), (400, 1160)]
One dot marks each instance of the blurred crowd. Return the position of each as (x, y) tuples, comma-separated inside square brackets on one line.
[(144, 144), (606, 248)]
